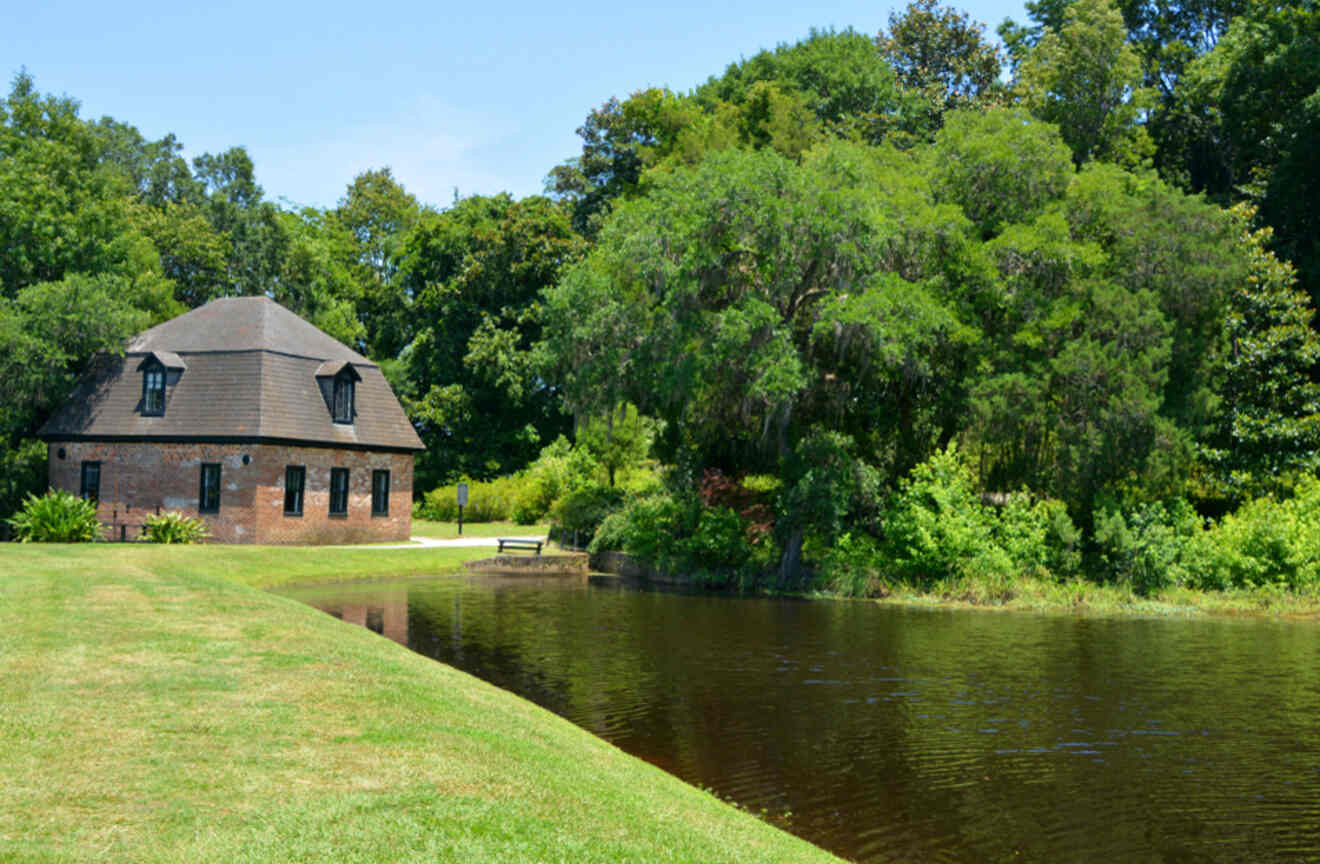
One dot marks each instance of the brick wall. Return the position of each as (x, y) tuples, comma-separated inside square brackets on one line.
[(138, 479)]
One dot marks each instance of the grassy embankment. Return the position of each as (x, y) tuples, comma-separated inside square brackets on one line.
[(155, 707), (1088, 598)]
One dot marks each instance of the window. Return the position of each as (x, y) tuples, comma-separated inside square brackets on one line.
[(153, 390), (338, 491), (380, 493), (91, 482), (343, 399), (208, 496), (295, 480)]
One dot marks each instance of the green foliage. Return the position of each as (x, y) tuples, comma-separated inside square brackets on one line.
[(711, 545), (377, 213), (476, 273), (56, 517), (621, 439), (1268, 426), (173, 527), (856, 565), (1086, 79), (936, 528), (943, 62), (847, 84), (1039, 538), (1243, 122), (1149, 548), (998, 166), (1266, 542), (22, 473), (581, 511), (488, 501)]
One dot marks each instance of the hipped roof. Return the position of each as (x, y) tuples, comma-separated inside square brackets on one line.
[(249, 373)]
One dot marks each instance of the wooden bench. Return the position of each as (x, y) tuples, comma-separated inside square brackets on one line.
[(519, 543)]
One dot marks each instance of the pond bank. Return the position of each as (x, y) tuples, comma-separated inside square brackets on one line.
[(1030, 595), (158, 708)]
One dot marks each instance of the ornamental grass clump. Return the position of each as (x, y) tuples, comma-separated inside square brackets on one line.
[(57, 517), (174, 527)]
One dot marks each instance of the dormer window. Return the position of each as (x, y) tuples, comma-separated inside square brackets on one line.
[(153, 390), (338, 382), (343, 398), (158, 369)]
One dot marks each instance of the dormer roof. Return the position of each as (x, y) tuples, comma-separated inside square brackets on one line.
[(168, 359)]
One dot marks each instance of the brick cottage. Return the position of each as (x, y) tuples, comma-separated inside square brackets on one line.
[(246, 416)]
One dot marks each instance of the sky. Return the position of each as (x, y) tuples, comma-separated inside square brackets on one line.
[(457, 99)]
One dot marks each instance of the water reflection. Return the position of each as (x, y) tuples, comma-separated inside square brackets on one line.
[(900, 735), (383, 612)]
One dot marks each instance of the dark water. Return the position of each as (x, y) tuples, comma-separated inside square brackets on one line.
[(887, 734)]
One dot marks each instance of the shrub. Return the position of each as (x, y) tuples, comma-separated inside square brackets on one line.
[(1149, 548), (583, 510), (490, 501), (647, 527), (854, 566), (1266, 542), (936, 528), (174, 527), (717, 551), (57, 517), (1038, 537), (710, 545)]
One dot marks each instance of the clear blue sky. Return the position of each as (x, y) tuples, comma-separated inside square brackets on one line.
[(482, 97)]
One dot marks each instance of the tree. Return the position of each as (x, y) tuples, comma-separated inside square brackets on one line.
[(1249, 112), (998, 166), (317, 279), (846, 82), (377, 213), (736, 301), (620, 140), (1086, 79), (942, 58), (620, 439), (63, 211), (235, 207), (471, 381), (1268, 423)]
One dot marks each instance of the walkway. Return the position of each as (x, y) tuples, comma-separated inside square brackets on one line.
[(438, 543)]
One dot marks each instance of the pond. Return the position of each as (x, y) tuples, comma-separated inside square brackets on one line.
[(893, 734)]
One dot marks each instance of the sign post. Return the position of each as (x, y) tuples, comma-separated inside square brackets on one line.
[(462, 502)]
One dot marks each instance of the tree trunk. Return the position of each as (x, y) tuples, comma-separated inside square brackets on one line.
[(790, 567)]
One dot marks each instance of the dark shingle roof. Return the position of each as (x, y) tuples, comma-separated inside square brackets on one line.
[(242, 324), (249, 370)]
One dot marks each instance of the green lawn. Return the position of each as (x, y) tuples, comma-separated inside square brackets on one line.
[(154, 707), (449, 530)]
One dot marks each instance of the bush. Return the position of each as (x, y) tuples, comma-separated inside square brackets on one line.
[(647, 527), (854, 566), (583, 510), (711, 545), (173, 527), (1266, 542), (57, 517), (491, 501), (1038, 537), (936, 528), (1150, 548), (22, 473)]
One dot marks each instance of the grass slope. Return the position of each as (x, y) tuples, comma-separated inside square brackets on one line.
[(153, 709)]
